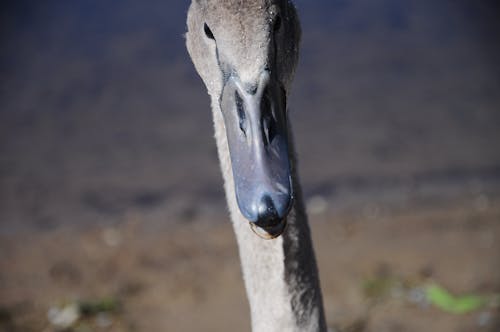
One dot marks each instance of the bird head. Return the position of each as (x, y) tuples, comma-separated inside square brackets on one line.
[(246, 53)]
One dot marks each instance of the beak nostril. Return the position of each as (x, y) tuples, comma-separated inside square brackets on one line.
[(241, 112), (252, 89), (269, 124)]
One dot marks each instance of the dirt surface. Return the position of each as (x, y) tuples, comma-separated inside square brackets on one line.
[(188, 278)]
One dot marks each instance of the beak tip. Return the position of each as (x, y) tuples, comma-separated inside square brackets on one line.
[(267, 211)]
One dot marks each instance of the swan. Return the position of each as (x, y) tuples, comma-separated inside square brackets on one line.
[(246, 52)]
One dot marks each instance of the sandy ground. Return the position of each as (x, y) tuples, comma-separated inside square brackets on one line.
[(188, 278)]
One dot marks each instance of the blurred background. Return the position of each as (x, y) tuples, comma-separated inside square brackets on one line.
[(112, 212)]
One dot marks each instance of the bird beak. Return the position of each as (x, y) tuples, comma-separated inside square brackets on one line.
[(256, 129)]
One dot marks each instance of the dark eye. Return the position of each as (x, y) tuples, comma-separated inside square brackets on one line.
[(208, 32), (277, 23)]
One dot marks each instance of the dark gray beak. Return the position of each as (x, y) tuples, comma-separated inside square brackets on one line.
[(256, 128)]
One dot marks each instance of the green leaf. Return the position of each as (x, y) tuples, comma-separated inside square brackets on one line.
[(108, 304), (446, 301)]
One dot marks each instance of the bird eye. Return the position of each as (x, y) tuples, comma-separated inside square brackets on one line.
[(277, 23), (208, 32)]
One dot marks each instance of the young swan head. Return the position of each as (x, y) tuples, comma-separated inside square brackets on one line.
[(246, 53)]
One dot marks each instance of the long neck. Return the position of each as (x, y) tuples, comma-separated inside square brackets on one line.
[(281, 277)]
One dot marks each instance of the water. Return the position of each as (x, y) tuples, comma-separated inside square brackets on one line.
[(103, 116)]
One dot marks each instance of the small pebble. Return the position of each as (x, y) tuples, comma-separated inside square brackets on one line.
[(111, 237), (64, 317), (371, 211), (484, 319), (103, 320), (481, 203), (417, 296), (317, 205)]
